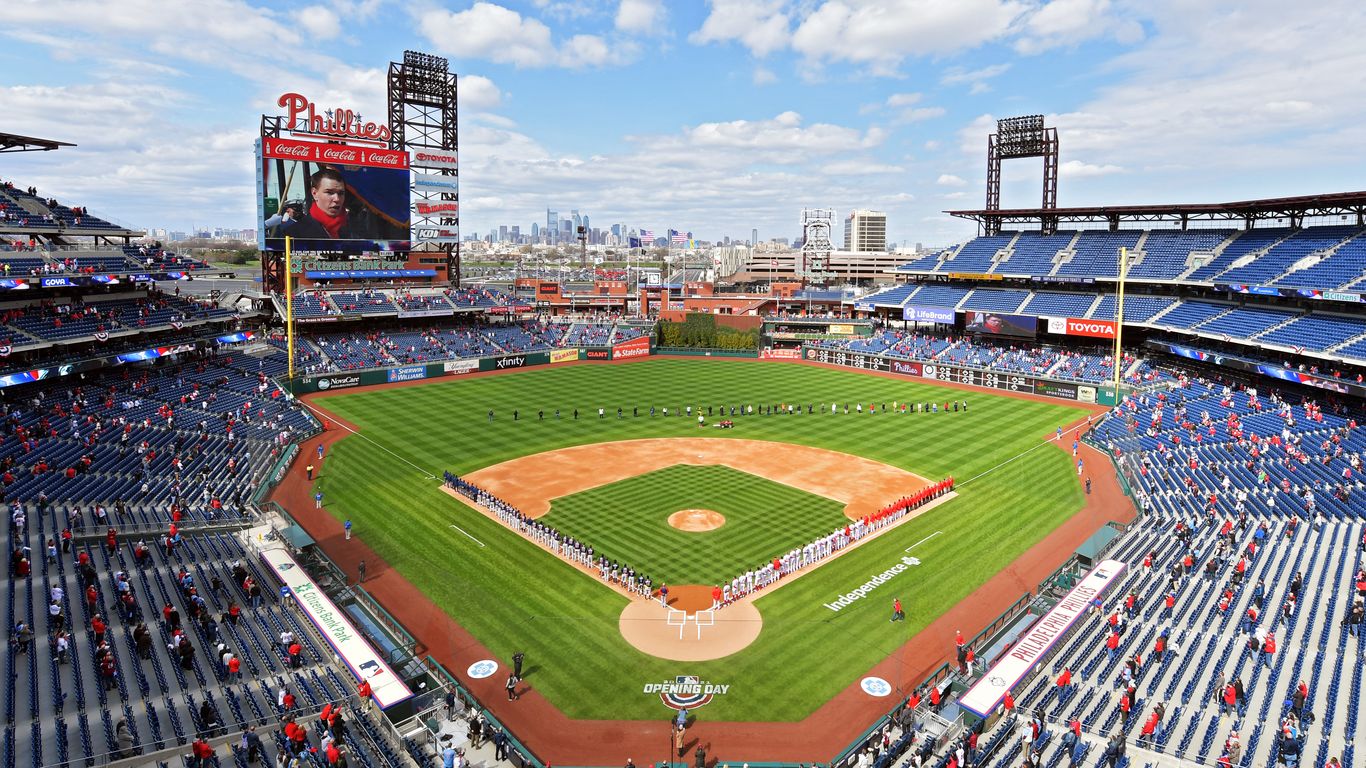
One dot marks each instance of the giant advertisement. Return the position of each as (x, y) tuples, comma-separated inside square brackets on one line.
[(331, 192), (998, 324)]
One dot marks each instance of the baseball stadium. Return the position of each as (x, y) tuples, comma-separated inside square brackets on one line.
[(1081, 490)]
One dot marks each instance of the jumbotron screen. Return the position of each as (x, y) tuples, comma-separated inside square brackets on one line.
[(315, 191)]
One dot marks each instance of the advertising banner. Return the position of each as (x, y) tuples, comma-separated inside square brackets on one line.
[(433, 181), (456, 367), (331, 193), (781, 354), (1058, 389), (337, 630), (563, 355), (434, 158), (443, 234), (1096, 329), (448, 311), (985, 696), (997, 324), (513, 361), (332, 154), (634, 348), (368, 274), (974, 276), (408, 373), (597, 354), (343, 381), (841, 330), (907, 367), (425, 208), (928, 314)]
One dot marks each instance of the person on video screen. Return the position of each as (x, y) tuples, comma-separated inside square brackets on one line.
[(328, 216)]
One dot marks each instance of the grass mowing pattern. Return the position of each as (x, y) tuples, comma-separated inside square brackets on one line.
[(628, 521), (512, 596)]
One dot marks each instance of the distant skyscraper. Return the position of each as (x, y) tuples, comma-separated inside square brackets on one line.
[(865, 231), (502, 233), (754, 237), (516, 233), (552, 226), (586, 225), (535, 232), (578, 220)]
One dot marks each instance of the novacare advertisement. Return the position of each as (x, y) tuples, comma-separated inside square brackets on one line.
[(336, 629)]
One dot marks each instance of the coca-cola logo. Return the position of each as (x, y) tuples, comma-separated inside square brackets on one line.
[(281, 149), (340, 155), (394, 159), (302, 117)]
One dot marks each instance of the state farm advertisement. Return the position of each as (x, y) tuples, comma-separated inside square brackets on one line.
[(339, 154), (1098, 329), (633, 348)]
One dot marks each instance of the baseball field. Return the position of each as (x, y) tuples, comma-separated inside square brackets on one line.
[(511, 595)]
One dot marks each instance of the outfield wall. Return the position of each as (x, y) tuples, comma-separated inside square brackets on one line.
[(327, 382), (1076, 391)]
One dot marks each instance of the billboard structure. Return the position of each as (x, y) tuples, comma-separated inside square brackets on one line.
[(331, 192), (424, 116), (339, 185)]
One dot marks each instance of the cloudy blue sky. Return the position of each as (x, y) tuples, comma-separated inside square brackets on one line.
[(716, 116)]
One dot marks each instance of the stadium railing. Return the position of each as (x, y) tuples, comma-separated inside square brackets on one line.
[(706, 352)]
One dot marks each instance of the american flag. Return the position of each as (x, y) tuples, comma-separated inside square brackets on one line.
[(677, 238), (647, 236)]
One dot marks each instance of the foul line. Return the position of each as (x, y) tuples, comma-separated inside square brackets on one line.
[(467, 533), (1006, 462), (922, 541), (327, 416)]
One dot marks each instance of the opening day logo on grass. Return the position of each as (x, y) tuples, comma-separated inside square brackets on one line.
[(686, 691), (873, 582)]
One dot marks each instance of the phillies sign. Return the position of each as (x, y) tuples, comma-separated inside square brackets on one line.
[(332, 154), (1099, 329), (303, 119)]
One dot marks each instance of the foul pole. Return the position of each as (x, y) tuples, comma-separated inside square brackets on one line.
[(289, 309), (1119, 319)]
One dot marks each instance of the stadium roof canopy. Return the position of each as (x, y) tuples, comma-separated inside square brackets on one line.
[(1247, 211), (13, 142)]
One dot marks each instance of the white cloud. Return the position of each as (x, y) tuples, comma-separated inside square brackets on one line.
[(764, 76), (477, 93), (880, 34), (762, 26), (917, 114), (501, 35), (320, 21), (950, 180), (784, 132), (1068, 22), (640, 16), (975, 79), (860, 168), (1079, 170), (904, 99)]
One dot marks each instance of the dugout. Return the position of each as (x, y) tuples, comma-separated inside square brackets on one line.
[(1093, 549)]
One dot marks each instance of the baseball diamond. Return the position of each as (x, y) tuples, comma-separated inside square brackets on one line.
[(512, 594)]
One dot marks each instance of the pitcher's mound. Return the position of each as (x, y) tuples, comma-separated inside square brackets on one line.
[(696, 520)]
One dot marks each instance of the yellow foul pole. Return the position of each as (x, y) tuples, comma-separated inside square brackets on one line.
[(1119, 318), (289, 309)]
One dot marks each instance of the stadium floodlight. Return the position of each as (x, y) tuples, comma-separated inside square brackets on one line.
[(1017, 137)]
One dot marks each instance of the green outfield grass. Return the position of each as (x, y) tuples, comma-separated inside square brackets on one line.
[(513, 596), (628, 521)]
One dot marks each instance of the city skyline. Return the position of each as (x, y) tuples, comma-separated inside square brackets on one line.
[(718, 117)]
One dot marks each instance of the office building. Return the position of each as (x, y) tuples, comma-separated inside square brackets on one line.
[(865, 231)]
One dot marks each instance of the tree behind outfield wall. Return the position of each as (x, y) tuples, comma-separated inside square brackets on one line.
[(700, 331)]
